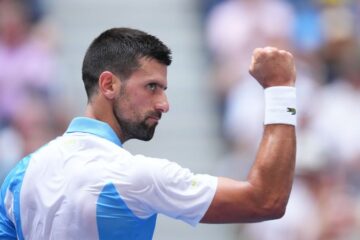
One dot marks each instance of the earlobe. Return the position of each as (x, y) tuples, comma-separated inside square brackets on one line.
[(108, 84)]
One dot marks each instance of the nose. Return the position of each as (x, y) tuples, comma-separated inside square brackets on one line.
[(162, 105)]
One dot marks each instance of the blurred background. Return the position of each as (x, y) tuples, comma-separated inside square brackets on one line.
[(215, 122)]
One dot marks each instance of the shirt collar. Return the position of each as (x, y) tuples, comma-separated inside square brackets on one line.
[(93, 126)]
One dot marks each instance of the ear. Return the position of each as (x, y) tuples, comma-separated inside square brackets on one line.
[(108, 85)]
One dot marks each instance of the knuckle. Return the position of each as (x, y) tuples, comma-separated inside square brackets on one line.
[(271, 49), (286, 53), (256, 52)]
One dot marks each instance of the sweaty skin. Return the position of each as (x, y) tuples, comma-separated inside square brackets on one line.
[(265, 194)]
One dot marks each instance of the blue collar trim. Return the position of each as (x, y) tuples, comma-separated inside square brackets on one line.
[(93, 126)]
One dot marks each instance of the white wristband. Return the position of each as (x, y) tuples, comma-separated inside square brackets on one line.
[(280, 105)]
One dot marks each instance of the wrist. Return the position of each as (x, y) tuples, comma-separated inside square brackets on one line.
[(279, 84), (280, 105)]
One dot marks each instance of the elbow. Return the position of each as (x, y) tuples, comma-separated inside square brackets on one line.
[(269, 205), (273, 209), (276, 212)]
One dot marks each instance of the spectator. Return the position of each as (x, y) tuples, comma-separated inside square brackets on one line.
[(26, 66), (27, 69)]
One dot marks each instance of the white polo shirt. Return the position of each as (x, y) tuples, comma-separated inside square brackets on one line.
[(84, 185)]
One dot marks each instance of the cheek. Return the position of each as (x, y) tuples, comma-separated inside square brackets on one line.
[(140, 101), (134, 103), (132, 108)]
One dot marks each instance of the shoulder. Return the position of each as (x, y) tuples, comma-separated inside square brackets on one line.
[(156, 168), (145, 170)]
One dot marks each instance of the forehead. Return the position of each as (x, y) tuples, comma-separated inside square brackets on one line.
[(150, 69)]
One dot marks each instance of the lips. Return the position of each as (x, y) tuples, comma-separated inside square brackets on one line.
[(155, 116)]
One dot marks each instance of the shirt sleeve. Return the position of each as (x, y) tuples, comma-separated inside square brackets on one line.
[(174, 191)]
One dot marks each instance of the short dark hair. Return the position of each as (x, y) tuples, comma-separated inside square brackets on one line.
[(119, 50)]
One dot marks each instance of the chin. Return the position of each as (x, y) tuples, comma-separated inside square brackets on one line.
[(146, 136)]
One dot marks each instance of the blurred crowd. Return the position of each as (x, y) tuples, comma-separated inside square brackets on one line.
[(324, 37), (30, 110)]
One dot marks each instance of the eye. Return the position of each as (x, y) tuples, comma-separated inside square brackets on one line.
[(152, 86)]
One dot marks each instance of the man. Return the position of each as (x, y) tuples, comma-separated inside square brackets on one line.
[(84, 185)]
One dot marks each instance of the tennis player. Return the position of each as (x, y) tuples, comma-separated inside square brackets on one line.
[(85, 185)]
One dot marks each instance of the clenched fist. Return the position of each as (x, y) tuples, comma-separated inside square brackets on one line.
[(273, 67)]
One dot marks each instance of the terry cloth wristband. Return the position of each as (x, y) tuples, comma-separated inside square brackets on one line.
[(280, 105)]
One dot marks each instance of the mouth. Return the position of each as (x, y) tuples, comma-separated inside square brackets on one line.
[(154, 117)]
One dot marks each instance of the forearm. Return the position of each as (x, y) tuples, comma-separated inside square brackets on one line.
[(271, 176), (265, 193)]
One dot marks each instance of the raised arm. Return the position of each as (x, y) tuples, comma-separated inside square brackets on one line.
[(265, 194)]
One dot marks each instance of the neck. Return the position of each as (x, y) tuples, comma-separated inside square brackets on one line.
[(104, 113)]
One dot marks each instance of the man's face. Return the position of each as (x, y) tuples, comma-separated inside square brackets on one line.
[(142, 100)]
